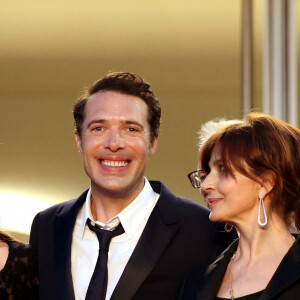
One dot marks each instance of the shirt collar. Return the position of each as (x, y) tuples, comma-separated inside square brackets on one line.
[(131, 217)]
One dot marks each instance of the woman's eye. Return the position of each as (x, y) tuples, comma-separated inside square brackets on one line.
[(221, 168), (202, 178)]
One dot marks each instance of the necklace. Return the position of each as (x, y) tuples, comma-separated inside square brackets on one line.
[(231, 292)]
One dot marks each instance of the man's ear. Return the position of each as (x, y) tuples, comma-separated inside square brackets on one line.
[(268, 179), (78, 141), (153, 146)]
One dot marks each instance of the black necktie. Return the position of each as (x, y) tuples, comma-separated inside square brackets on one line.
[(98, 283)]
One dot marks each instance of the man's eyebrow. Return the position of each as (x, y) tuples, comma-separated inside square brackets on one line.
[(101, 121), (129, 122)]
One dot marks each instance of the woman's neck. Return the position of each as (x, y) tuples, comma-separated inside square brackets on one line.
[(257, 241)]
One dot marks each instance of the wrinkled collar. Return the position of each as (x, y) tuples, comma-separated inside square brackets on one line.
[(131, 216)]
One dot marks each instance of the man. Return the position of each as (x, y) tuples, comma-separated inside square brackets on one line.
[(117, 125)]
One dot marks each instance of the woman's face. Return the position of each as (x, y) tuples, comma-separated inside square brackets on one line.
[(201, 173), (230, 199)]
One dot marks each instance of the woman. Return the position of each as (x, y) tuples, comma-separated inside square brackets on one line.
[(252, 181), (18, 270), (206, 131)]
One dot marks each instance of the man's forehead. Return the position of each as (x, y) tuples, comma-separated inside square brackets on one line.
[(112, 94), (117, 106)]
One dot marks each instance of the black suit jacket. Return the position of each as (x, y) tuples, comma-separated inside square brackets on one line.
[(177, 237), (284, 285)]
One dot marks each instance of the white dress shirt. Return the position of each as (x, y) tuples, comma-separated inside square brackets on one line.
[(85, 245)]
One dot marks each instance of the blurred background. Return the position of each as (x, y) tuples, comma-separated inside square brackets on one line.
[(189, 51)]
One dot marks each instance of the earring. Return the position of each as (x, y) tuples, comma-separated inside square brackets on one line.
[(262, 206), (226, 229)]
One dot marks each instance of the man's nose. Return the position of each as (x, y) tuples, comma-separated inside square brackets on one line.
[(114, 141)]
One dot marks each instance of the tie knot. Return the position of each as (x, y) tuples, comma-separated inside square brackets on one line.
[(105, 236)]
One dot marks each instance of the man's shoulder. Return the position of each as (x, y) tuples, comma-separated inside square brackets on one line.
[(184, 205), (59, 207), (190, 207), (193, 217)]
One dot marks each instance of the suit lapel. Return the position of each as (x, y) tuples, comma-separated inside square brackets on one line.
[(63, 230), (287, 273), (212, 279), (161, 226)]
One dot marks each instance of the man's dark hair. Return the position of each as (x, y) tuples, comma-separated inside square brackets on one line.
[(124, 83)]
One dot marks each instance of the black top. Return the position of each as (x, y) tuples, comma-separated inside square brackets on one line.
[(18, 278), (284, 284), (254, 296)]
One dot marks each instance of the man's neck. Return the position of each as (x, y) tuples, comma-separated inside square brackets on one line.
[(103, 210), (105, 206)]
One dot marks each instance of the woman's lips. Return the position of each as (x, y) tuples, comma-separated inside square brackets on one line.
[(212, 201)]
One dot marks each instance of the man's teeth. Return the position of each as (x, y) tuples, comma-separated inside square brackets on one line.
[(114, 163)]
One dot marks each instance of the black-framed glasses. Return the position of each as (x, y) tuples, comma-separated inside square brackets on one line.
[(196, 178)]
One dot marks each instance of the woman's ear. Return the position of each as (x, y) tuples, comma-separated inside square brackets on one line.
[(268, 181)]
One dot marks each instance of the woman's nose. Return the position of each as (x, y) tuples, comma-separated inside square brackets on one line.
[(208, 183)]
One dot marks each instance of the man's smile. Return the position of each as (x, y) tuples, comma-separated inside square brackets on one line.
[(113, 163)]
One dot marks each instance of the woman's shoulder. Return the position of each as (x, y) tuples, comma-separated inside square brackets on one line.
[(19, 250), (19, 247), (21, 254), (19, 276)]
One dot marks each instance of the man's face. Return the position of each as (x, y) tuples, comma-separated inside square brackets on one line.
[(115, 143)]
